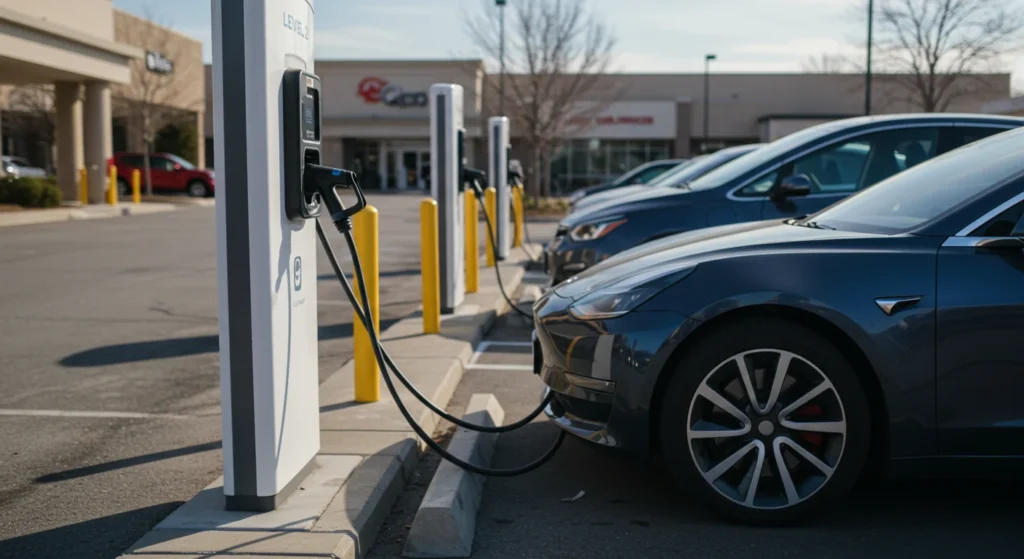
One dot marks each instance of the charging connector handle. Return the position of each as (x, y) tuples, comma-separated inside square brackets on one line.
[(326, 181)]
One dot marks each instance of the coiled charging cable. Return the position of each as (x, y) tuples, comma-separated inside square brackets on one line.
[(386, 364)]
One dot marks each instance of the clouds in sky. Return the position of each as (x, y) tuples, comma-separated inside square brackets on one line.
[(653, 35)]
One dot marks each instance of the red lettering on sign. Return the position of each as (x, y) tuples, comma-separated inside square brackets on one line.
[(370, 88)]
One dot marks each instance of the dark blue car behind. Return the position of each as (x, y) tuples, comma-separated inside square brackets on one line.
[(791, 177)]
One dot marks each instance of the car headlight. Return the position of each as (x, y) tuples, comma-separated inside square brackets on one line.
[(628, 293), (596, 230)]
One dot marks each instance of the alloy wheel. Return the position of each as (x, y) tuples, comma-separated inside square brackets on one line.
[(766, 429)]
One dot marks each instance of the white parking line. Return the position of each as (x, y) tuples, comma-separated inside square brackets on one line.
[(91, 414), (480, 349)]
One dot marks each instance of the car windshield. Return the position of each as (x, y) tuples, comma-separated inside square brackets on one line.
[(184, 164), (909, 199), (15, 161), (743, 165), (688, 177), (669, 178)]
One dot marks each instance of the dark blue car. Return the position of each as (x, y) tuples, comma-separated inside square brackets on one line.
[(772, 363), (791, 177)]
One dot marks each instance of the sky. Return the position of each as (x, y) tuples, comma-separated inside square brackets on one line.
[(653, 35)]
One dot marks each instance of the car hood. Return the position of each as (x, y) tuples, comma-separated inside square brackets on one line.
[(607, 194), (624, 200), (694, 247)]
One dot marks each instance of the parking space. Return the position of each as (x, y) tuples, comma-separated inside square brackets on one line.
[(591, 502)]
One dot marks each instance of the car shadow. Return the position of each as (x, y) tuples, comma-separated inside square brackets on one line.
[(149, 350)]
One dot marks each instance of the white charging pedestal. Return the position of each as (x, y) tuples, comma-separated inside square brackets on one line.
[(266, 263), (447, 140), (498, 147)]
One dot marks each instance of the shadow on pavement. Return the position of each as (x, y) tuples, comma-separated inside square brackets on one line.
[(384, 274), (99, 538), (149, 350), (127, 462)]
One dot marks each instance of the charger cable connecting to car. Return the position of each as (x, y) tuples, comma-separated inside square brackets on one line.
[(474, 177), (341, 217)]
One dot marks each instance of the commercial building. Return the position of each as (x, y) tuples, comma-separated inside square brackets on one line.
[(73, 76), (376, 116)]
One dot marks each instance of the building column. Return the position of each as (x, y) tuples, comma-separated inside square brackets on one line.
[(200, 141), (70, 157), (98, 137), (382, 164), (684, 127)]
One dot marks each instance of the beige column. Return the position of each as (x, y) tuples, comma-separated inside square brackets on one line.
[(70, 157), (200, 141), (98, 137)]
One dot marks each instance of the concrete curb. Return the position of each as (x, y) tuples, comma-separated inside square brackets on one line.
[(33, 217), (446, 520)]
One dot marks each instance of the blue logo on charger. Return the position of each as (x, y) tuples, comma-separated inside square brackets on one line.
[(297, 272)]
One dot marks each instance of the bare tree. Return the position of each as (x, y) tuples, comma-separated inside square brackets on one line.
[(34, 105), (826, 63), (156, 95), (936, 49), (555, 53)]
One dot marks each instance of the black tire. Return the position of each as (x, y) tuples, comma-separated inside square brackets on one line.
[(747, 335), (123, 189), (197, 189)]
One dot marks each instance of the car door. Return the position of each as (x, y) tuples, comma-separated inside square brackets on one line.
[(163, 174), (842, 168), (979, 335)]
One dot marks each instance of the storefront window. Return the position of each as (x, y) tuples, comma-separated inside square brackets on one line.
[(582, 163)]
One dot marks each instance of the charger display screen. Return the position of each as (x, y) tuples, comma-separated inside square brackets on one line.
[(311, 115)]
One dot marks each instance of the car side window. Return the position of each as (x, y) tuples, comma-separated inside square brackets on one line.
[(161, 163), (969, 134), (1001, 225)]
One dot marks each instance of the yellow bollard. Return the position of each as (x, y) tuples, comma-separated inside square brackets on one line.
[(112, 186), (520, 215), (491, 208), (364, 231), (429, 267), (83, 186), (472, 244), (136, 186), (515, 216)]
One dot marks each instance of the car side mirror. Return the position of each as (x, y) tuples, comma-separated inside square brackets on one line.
[(791, 187)]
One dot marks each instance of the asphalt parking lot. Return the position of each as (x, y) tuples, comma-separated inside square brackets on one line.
[(630, 508), (109, 390)]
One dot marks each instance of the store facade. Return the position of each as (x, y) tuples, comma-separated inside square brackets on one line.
[(376, 119)]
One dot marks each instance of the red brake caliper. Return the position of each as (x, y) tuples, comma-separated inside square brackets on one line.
[(811, 410)]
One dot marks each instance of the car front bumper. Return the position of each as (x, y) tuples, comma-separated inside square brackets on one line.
[(603, 373)]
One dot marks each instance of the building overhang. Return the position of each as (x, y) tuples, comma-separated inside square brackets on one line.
[(38, 51)]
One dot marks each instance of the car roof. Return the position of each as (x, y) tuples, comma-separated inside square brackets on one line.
[(928, 117)]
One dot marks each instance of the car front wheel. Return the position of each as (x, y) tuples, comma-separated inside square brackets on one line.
[(766, 421), (198, 189)]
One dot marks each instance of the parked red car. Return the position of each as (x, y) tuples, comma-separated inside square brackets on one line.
[(168, 172)]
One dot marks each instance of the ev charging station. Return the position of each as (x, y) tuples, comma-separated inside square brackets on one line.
[(447, 140), (267, 123), (499, 148)]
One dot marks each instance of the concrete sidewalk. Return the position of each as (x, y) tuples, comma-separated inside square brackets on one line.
[(367, 451), (70, 213)]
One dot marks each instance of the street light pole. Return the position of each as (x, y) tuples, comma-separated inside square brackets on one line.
[(707, 97), (501, 57), (867, 70)]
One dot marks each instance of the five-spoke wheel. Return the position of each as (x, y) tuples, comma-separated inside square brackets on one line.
[(766, 419)]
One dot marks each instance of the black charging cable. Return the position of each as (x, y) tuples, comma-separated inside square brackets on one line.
[(401, 376), (494, 249), (344, 226)]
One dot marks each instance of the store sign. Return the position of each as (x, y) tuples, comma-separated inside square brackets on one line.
[(156, 62), (379, 91), (630, 119)]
